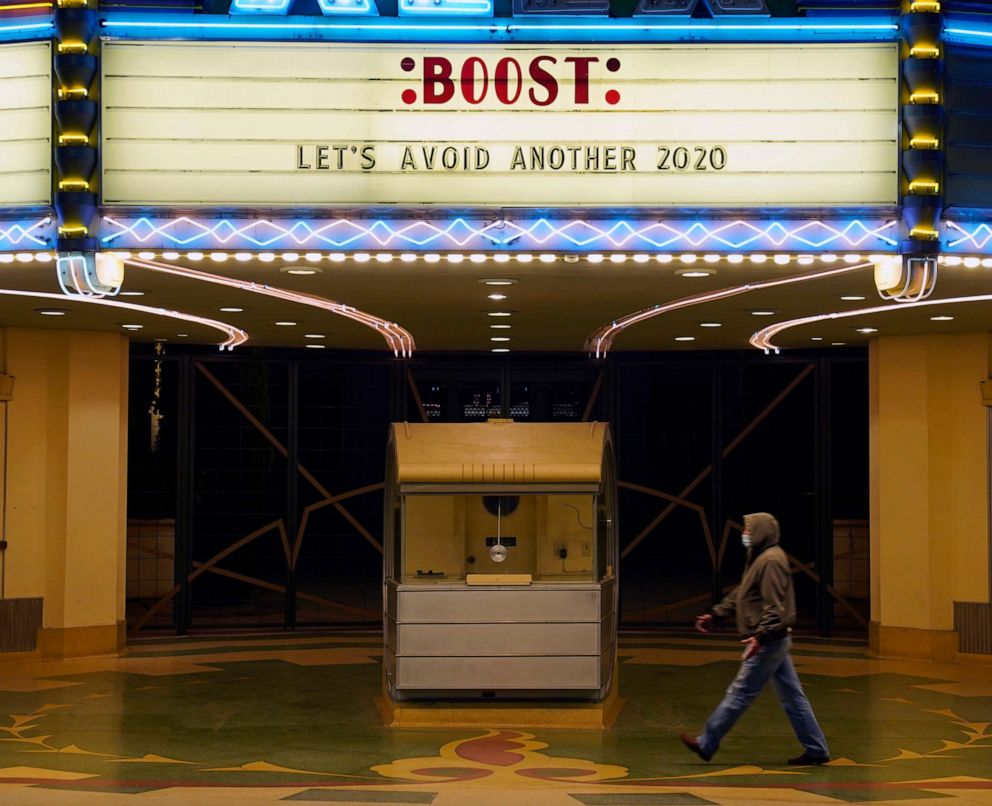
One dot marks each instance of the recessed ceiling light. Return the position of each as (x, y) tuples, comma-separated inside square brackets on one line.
[(685, 338), (642, 258), (804, 260), (242, 257), (315, 346), (132, 327), (941, 318), (383, 257), (816, 338), (837, 343), (361, 257), (852, 259), (218, 257), (232, 310), (499, 313), (454, 257), (266, 257), (782, 260), (498, 281), (432, 258), (852, 298), (51, 311), (496, 297), (500, 327), (312, 257), (524, 258), (618, 258), (499, 338), (687, 258), (408, 257), (132, 293), (700, 271), (762, 313), (336, 257), (758, 258), (291, 257), (711, 324), (594, 258), (866, 329), (301, 272), (196, 257), (711, 258), (286, 324), (501, 258), (500, 350), (314, 336), (972, 262), (146, 255), (828, 258), (571, 258), (547, 258), (663, 258), (735, 259), (183, 335), (477, 258)]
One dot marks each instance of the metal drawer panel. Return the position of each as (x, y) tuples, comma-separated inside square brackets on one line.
[(500, 605), (461, 640), (491, 674)]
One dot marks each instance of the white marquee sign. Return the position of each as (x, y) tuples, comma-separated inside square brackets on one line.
[(261, 124), (25, 124)]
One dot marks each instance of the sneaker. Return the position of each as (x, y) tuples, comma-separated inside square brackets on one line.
[(693, 744), (806, 759)]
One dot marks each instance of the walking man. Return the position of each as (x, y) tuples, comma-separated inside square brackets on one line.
[(765, 606)]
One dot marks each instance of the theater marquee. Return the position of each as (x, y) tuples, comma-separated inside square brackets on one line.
[(25, 124), (258, 124)]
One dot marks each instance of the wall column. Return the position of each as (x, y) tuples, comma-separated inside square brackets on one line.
[(929, 489), (67, 484)]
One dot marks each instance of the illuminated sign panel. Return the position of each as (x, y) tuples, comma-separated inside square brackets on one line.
[(25, 124), (526, 126)]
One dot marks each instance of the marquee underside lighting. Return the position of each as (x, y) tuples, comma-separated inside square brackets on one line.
[(762, 339), (234, 336), (399, 339), (29, 234), (600, 342), (509, 235)]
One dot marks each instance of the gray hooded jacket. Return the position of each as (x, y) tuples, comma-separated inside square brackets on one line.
[(764, 602)]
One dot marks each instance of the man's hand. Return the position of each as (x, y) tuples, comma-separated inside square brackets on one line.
[(751, 647), (704, 623)]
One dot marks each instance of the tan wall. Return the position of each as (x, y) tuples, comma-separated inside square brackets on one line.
[(929, 481), (67, 486)]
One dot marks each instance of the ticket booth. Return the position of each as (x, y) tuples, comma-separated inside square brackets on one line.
[(500, 561)]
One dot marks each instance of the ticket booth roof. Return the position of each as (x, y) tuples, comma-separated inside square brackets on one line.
[(499, 453)]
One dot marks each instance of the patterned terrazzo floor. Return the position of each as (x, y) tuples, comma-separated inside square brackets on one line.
[(277, 718)]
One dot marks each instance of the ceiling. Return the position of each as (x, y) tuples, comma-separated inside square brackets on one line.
[(554, 306)]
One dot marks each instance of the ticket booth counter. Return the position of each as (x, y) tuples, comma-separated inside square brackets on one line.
[(500, 561)]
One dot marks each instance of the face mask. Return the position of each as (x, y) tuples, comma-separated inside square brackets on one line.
[(746, 540)]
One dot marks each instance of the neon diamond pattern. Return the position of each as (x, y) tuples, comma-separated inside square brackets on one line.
[(502, 234)]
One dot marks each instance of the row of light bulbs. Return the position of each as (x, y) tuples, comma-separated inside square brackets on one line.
[(688, 258)]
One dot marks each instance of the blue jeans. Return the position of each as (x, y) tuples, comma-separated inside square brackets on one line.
[(771, 663)]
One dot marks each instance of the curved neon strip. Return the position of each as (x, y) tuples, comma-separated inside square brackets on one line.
[(600, 342), (235, 335), (761, 339), (342, 233), (399, 339)]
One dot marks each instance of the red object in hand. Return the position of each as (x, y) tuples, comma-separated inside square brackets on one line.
[(704, 623), (751, 647)]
